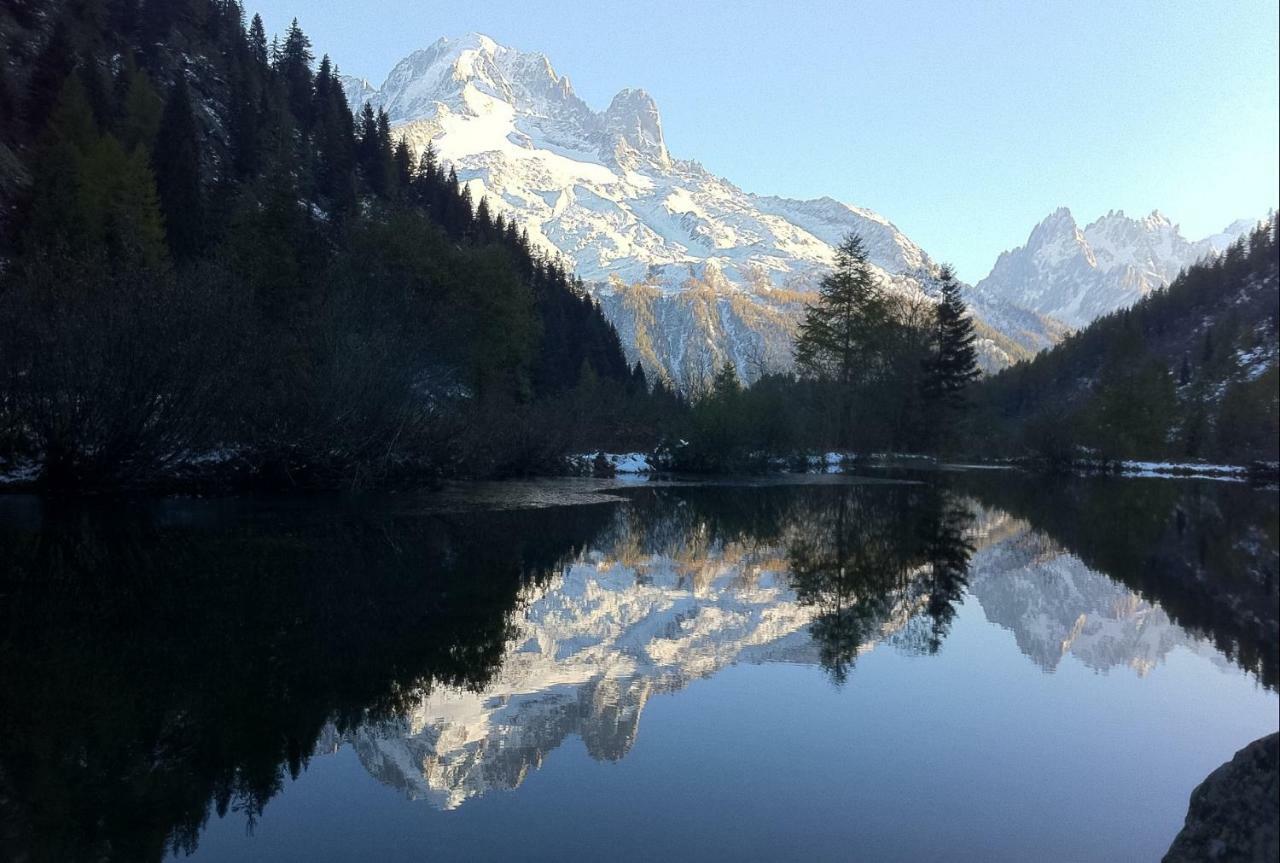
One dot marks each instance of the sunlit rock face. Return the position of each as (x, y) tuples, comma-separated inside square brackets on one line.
[(657, 604), (692, 270)]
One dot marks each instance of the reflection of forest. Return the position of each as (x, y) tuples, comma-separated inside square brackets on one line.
[(162, 661), (180, 659)]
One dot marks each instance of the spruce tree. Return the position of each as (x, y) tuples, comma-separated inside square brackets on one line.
[(484, 225), (403, 162), (954, 363), (48, 73), (638, 384), (258, 40), (295, 67), (374, 155), (8, 110), (836, 341), (142, 110), (834, 336)]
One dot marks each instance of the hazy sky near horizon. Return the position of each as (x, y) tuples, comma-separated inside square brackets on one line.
[(964, 123)]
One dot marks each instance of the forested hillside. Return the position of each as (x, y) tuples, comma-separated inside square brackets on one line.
[(207, 258), (1190, 371)]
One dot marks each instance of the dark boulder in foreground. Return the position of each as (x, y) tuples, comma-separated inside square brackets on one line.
[(1235, 812)]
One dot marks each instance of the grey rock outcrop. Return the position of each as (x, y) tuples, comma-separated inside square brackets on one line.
[(1235, 813)]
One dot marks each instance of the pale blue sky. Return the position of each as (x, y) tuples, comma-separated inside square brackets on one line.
[(964, 123)]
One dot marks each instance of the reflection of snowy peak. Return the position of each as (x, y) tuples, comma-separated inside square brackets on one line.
[(1055, 605), (590, 649), (1077, 274), (661, 605), (690, 268)]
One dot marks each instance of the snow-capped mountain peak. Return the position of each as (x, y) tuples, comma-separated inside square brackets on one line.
[(691, 269), (633, 121), (463, 74), (1076, 274), (1057, 239)]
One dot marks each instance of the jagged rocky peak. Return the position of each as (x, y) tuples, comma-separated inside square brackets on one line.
[(444, 72), (633, 120), (1058, 225), (1076, 274)]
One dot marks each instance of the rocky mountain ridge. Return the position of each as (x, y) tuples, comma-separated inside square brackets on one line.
[(691, 269), (1076, 274)]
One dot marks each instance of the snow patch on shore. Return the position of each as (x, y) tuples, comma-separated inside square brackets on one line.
[(1184, 470), (632, 463)]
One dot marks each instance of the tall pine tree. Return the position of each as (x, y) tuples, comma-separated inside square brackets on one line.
[(954, 361), (954, 364), (836, 341)]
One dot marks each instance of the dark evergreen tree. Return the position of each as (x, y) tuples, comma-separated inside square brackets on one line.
[(52, 66), (953, 364), (835, 335), (837, 340), (335, 156), (638, 383), (141, 110), (176, 162), (403, 167), (258, 41), (294, 66), (375, 153)]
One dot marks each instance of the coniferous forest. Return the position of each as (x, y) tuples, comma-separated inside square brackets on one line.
[(1187, 373), (213, 272), (206, 253)]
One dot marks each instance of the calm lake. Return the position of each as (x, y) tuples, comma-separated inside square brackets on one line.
[(966, 665)]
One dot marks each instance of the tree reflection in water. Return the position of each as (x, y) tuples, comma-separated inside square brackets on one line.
[(157, 660), (872, 555)]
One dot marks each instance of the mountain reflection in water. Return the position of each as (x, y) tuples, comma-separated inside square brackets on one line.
[(180, 660)]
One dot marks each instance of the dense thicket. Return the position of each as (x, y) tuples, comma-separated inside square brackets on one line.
[(1188, 372), (205, 252), (877, 370)]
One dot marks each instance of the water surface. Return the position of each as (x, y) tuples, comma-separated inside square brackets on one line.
[(973, 666)]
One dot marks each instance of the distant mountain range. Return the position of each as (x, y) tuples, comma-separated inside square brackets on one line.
[(691, 269), (1076, 275)]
